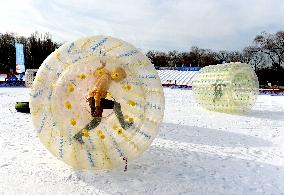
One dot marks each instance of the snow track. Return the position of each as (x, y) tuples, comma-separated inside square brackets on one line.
[(180, 77), (196, 152)]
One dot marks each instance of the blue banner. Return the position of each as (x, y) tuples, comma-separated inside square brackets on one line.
[(185, 68), (20, 59)]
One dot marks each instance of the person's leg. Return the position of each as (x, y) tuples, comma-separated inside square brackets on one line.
[(107, 104), (99, 111), (117, 110), (91, 125), (96, 112), (96, 121), (92, 105)]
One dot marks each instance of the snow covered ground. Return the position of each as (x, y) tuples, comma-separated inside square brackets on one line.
[(196, 152)]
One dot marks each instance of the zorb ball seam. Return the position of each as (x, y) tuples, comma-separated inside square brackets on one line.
[(96, 103), (230, 87)]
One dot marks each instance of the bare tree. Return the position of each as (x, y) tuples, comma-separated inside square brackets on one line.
[(222, 56), (185, 58), (236, 56), (273, 46), (36, 48), (195, 55), (7, 51), (254, 57), (174, 58), (158, 58), (208, 58)]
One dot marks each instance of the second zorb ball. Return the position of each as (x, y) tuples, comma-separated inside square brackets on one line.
[(230, 87)]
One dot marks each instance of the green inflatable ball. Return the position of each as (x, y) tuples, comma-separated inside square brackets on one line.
[(22, 107), (230, 88)]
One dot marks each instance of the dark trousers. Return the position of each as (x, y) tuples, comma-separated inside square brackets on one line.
[(96, 112)]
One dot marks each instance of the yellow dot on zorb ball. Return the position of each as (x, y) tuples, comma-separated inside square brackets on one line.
[(100, 72), (71, 87), (68, 105), (82, 76), (119, 131), (115, 75), (131, 120), (85, 133), (73, 121), (127, 87), (90, 100), (100, 134), (131, 103)]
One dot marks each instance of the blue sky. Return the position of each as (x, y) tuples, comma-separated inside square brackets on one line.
[(148, 24)]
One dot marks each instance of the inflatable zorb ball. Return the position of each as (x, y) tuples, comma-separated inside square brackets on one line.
[(231, 87), (96, 103)]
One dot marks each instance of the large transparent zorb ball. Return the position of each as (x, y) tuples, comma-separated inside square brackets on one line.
[(230, 87), (65, 114)]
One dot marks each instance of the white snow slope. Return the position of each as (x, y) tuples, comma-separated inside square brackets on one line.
[(196, 152), (176, 77)]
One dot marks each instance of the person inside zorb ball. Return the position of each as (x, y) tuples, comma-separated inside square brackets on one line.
[(97, 103)]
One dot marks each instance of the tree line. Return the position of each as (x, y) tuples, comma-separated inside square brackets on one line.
[(36, 48), (265, 54)]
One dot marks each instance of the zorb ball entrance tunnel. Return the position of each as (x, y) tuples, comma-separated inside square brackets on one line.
[(96, 103), (230, 87)]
